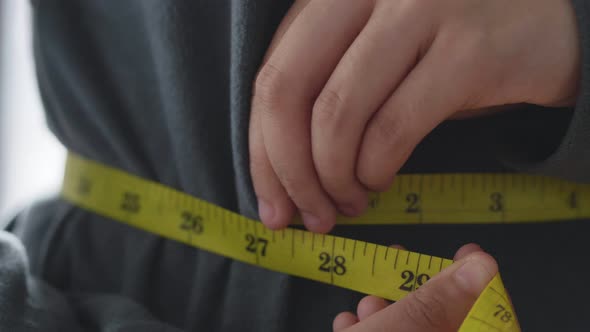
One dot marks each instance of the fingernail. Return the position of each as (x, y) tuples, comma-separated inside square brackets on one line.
[(310, 220), (266, 211), (349, 210), (474, 275)]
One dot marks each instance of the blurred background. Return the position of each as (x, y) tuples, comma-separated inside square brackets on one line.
[(31, 159)]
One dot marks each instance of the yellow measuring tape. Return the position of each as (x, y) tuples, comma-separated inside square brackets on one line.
[(360, 266)]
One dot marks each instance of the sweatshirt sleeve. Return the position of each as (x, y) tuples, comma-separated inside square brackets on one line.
[(556, 142)]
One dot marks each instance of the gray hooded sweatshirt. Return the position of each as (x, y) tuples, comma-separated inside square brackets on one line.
[(162, 89)]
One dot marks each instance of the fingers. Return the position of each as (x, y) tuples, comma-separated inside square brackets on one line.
[(461, 253), (370, 305), (427, 308), (380, 57), (423, 100), (284, 92), (293, 12), (279, 213), (466, 250), (343, 321), (439, 305), (366, 307)]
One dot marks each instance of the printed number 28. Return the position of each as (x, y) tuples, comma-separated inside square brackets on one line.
[(336, 265)]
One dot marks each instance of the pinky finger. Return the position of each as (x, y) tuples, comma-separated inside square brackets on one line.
[(343, 321)]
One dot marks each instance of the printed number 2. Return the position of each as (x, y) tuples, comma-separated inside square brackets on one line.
[(413, 200)]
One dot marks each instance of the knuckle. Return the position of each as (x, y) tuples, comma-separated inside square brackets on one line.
[(328, 105), (337, 177), (392, 130), (268, 87), (390, 142), (332, 159), (329, 113), (427, 311)]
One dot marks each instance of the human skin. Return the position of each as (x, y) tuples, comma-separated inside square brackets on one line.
[(440, 305), (348, 88)]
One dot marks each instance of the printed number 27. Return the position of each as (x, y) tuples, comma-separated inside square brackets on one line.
[(255, 243)]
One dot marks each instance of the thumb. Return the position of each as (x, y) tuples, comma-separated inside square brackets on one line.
[(442, 303)]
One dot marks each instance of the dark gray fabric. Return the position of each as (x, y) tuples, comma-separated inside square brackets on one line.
[(571, 158), (29, 304), (162, 89)]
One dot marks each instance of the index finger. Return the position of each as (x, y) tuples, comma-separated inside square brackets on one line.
[(284, 95)]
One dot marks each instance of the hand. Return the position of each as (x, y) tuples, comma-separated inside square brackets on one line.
[(440, 305), (348, 88)]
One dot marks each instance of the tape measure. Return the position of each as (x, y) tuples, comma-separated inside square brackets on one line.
[(365, 267)]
